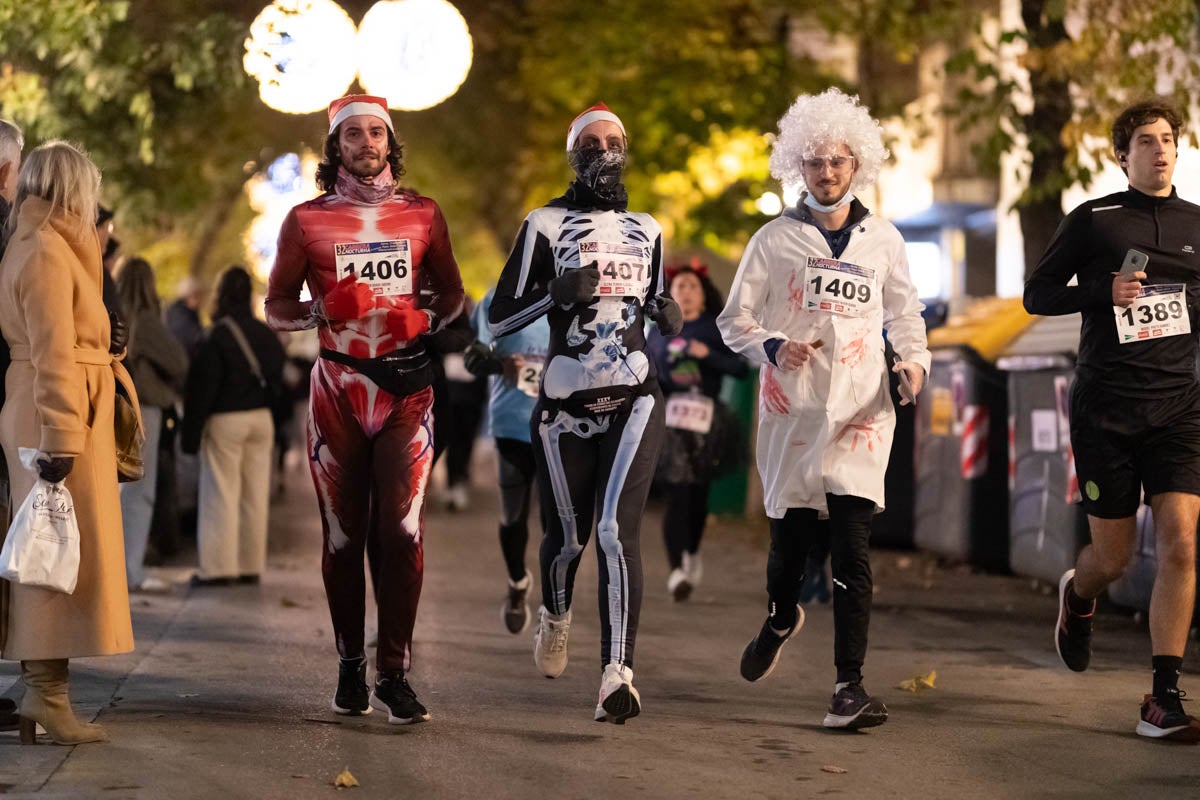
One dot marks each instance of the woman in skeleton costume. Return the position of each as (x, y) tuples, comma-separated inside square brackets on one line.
[(594, 269)]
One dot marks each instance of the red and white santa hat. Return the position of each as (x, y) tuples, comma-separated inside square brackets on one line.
[(353, 105), (594, 114)]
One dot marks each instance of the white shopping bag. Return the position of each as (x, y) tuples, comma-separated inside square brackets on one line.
[(42, 546)]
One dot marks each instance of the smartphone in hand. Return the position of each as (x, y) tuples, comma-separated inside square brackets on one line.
[(1135, 261), (906, 389)]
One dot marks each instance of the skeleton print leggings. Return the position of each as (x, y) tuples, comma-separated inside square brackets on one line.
[(606, 462), (370, 453)]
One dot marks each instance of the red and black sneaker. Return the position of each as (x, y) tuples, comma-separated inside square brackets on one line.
[(1073, 633), (1164, 718)]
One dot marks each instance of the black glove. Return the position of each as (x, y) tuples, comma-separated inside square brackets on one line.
[(667, 316), (575, 285), (480, 361), (55, 468), (120, 333)]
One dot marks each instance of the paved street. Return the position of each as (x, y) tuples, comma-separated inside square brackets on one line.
[(227, 695)]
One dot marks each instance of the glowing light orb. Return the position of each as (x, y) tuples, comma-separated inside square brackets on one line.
[(302, 52), (289, 180), (416, 53)]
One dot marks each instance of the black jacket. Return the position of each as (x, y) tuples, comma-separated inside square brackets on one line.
[(220, 380)]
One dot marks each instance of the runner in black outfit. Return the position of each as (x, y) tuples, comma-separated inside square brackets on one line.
[(594, 269), (1135, 404)]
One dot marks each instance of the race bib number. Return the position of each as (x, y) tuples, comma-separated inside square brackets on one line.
[(529, 377), (1158, 311), (690, 412), (384, 266), (838, 287), (624, 268)]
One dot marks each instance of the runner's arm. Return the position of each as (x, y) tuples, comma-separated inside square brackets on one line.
[(285, 310), (1047, 292), (521, 294)]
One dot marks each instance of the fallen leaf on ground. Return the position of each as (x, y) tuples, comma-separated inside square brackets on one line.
[(287, 602), (834, 769), (345, 779), (918, 682), (188, 694)]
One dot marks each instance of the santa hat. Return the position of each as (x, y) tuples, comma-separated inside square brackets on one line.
[(594, 114), (353, 105)]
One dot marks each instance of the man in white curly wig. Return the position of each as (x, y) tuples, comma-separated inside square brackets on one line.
[(813, 294)]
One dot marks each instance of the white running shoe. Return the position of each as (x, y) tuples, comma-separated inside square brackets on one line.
[(618, 701), (693, 567), (550, 643), (678, 585)]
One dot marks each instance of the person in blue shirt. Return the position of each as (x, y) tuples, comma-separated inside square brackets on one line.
[(514, 363), (700, 431)]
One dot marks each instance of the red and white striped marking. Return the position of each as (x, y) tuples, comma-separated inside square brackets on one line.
[(1073, 495), (974, 452), (1012, 453)]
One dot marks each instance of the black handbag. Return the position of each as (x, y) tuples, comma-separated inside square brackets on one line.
[(128, 434)]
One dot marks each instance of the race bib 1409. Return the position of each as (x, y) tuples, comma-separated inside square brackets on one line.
[(838, 287)]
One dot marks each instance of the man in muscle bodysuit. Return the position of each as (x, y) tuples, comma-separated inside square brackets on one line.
[(594, 270), (380, 270)]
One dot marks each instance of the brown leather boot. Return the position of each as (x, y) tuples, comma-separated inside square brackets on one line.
[(46, 702)]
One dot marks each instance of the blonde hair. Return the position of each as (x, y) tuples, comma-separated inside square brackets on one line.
[(61, 174)]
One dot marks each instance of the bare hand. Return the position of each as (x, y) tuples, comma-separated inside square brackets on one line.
[(793, 355), (512, 368), (1126, 287), (697, 349)]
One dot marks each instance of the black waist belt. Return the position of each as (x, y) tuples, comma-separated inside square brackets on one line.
[(596, 404), (400, 372)]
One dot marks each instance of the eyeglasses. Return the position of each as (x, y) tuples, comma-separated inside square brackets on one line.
[(836, 163)]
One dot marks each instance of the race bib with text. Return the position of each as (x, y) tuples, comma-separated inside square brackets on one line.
[(384, 266), (690, 412), (624, 268), (838, 287), (1159, 310)]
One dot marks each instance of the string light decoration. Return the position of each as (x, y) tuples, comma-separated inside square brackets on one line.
[(302, 54)]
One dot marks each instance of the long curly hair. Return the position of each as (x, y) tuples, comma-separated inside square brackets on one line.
[(825, 119), (327, 170)]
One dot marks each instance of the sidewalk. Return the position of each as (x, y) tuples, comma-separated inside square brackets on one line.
[(227, 695)]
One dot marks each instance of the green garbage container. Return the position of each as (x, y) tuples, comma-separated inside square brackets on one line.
[(729, 492)]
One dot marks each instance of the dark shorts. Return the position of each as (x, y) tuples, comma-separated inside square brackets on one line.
[(1124, 445)]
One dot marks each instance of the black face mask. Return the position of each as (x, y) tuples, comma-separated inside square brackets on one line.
[(599, 170)]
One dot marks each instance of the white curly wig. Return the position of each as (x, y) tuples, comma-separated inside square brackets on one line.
[(827, 118)]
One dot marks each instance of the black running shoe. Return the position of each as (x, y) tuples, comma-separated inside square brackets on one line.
[(852, 708), (761, 655), (1073, 633), (352, 694), (393, 695), (516, 611), (1164, 718)]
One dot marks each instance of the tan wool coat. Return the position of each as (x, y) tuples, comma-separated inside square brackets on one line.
[(60, 400)]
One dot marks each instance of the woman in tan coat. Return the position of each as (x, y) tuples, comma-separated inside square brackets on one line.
[(60, 400)]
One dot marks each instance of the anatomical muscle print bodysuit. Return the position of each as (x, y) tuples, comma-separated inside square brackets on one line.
[(381, 273)]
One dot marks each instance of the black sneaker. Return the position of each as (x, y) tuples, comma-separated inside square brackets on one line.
[(393, 695), (1073, 633), (760, 656), (352, 694), (8, 715), (516, 611), (1164, 718), (852, 708)]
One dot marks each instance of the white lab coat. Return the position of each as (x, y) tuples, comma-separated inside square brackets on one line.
[(826, 427)]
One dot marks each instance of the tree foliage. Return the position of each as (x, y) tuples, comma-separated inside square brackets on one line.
[(1083, 61)]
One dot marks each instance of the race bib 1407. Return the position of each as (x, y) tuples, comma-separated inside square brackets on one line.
[(384, 266), (624, 268)]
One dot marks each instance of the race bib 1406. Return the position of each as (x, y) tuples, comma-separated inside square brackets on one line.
[(384, 266), (838, 287), (624, 268)]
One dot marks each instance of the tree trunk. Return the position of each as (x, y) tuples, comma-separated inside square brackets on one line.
[(1040, 207)]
